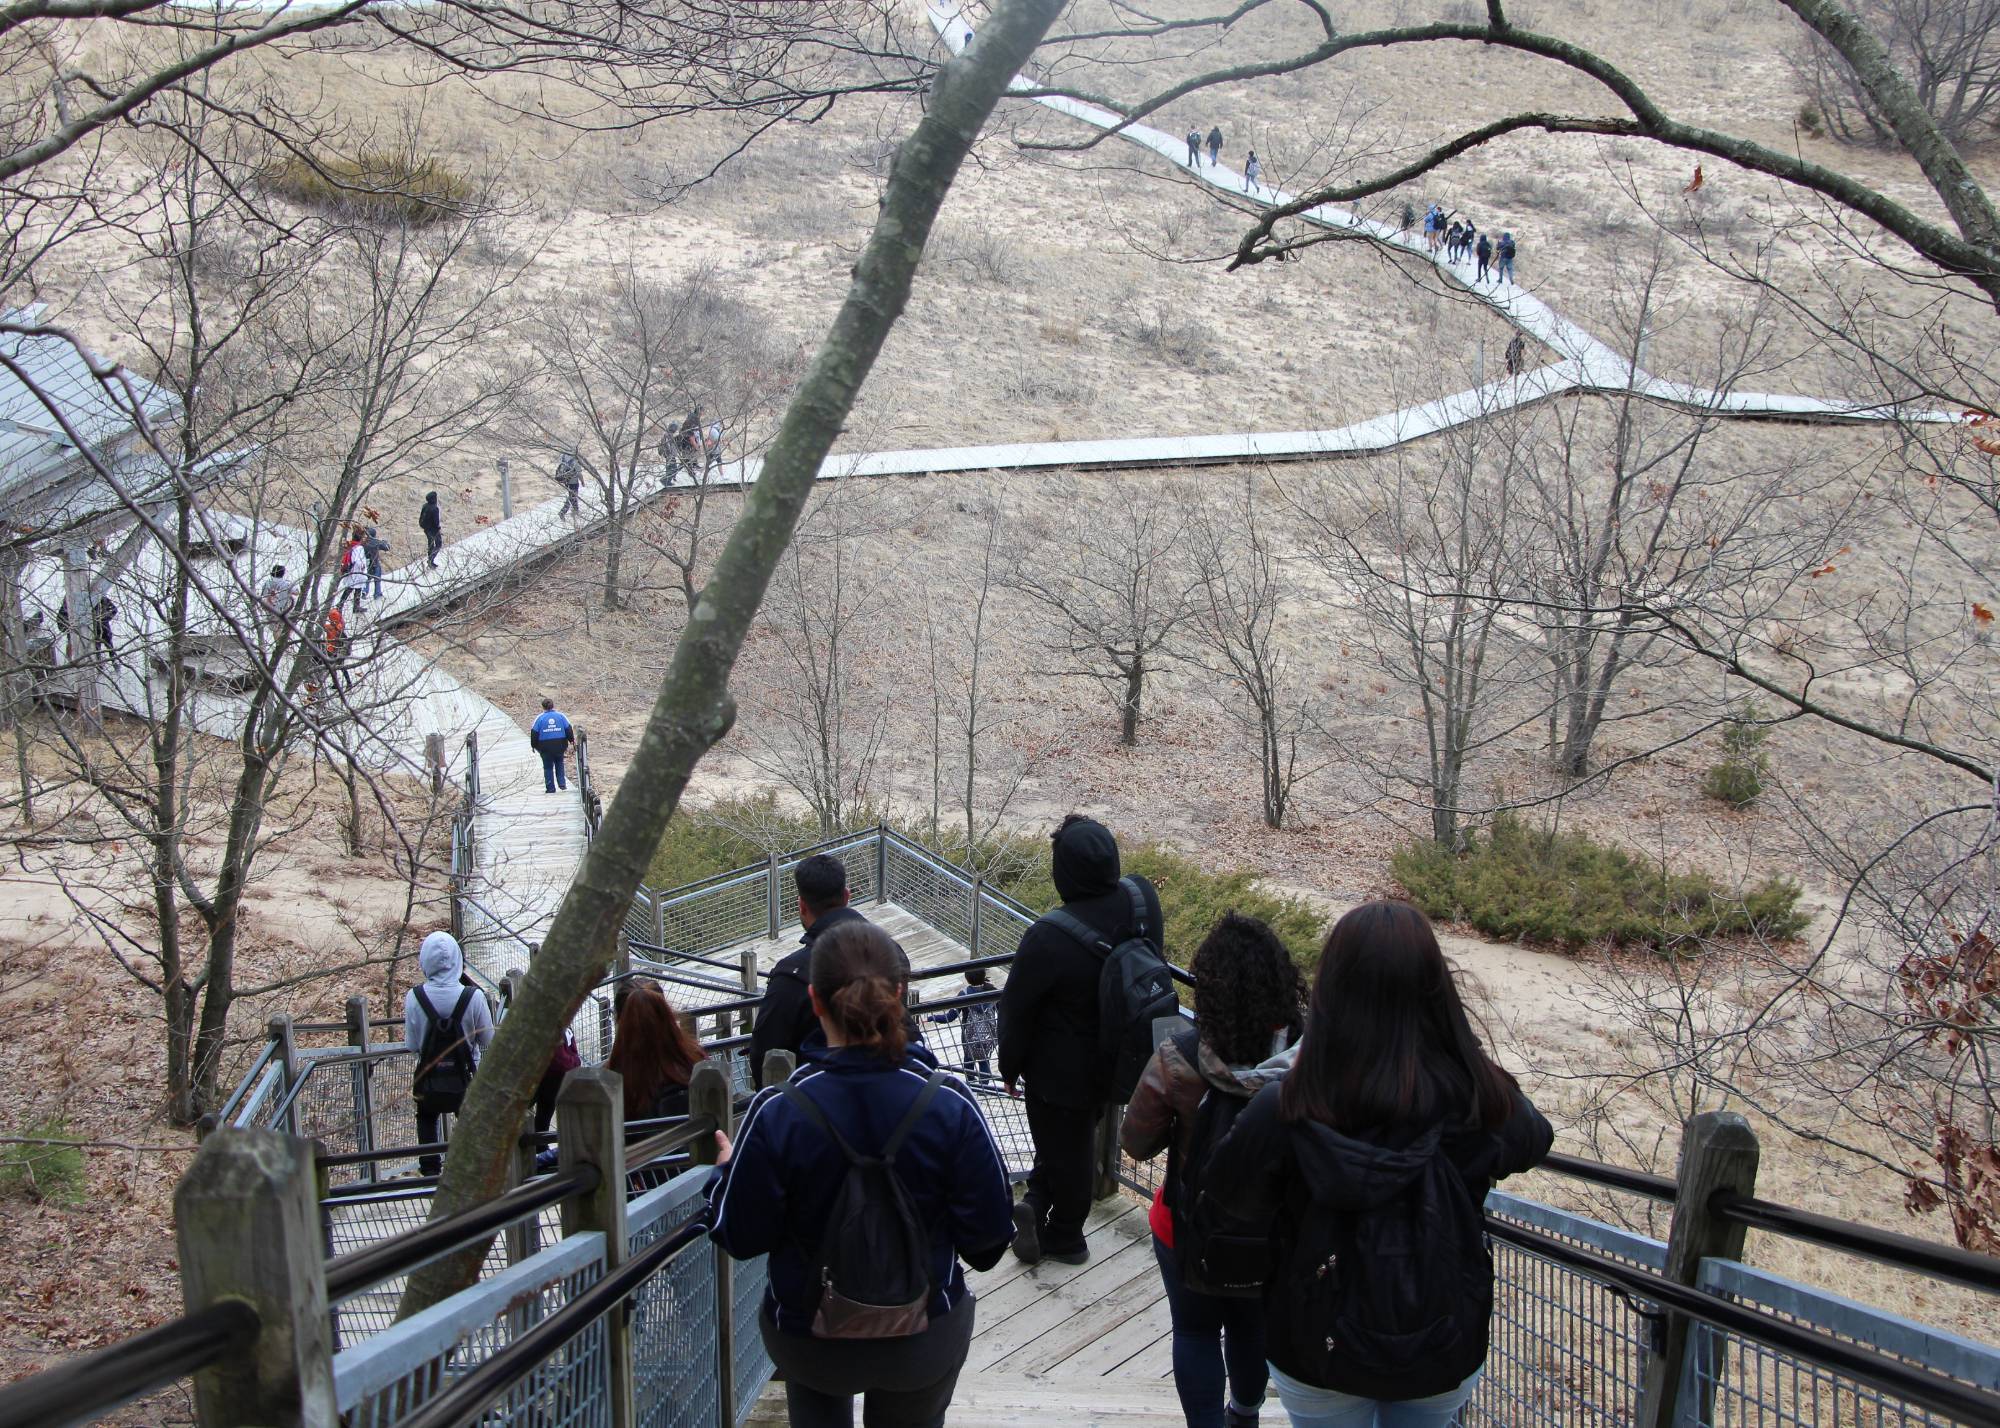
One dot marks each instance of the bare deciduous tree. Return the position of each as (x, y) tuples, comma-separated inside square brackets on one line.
[(1947, 51)]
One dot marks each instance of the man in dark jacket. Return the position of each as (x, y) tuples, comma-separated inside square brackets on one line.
[(785, 1019), (432, 521), (1049, 1036)]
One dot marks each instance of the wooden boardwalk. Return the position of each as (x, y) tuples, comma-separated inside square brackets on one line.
[(1060, 1343)]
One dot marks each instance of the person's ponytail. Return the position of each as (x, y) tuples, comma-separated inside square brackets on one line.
[(859, 973)]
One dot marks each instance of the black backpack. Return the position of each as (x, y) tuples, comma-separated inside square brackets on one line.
[(1134, 989), (1215, 1257), (874, 1259), (1396, 1300), (444, 1064)]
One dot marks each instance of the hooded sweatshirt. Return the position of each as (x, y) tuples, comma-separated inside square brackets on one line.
[(1161, 1115), (442, 963), (1269, 1173), (1048, 1008)]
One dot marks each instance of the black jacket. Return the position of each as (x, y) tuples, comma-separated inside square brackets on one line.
[(1267, 1174), (785, 1018), (783, 1175), (1048, 1008), (429, 517)]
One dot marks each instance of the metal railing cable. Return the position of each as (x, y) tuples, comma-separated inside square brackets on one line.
[(638, 946), (1975, 1271), (1612, 1177), (1924, 1387), (81, 1390), (470, 1397), (351, 1273)]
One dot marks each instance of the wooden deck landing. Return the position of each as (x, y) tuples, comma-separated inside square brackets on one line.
[(926, 946), (1070, 1344)]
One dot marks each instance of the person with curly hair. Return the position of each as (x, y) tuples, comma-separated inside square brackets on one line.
[(1249, 1003)]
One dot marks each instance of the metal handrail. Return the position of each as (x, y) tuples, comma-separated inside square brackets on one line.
[(1975, 1271), (243, 1086), (666, 1142), (637, 946), (1925, 1387), (81, 1390), (351, 1273), (1613, 1177), (468, 1398), (659, 973)]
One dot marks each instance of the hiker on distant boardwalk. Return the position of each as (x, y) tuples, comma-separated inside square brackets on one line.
[(1517, 356), (1409, 218), (1194, 148), (337, 676), (431, 519), (278, 594), (1485, 256), (1451, 237), (550, 736), (1434, 227), (687, 445), (711, 449), (1245, 1037), (1505, 253), (373, 547), (786, 1019), (446, 1025), (1214, 146), (569, 475), (1050, 1031), (670, 452), (1251, 171), (353, 572)]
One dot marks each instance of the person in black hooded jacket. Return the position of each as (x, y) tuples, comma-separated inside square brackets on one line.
[(785, 1019), (1049, 1035), (1366, 1171)]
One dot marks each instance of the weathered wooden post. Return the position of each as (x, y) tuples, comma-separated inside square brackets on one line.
[(279, 1029), (710, 1094), (247, 1228), (363, 1081), (506, 491), (1106, 1180), (1718, 1153), (524, 1236), (590, 1125), (750, 989), (779, 1064)]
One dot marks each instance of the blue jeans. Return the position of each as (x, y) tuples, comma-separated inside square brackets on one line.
[(1506, 270), (1323, 1408), (1214, 1338), (552, 768)]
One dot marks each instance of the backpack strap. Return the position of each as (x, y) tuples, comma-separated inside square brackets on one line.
[(814, 1114), (1138, 901), (1078, 929), (457, 1011)]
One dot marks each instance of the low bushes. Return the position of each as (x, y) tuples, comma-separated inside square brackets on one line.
[(53, 1174), (389, 187), (1523, 884), (1737, 779)]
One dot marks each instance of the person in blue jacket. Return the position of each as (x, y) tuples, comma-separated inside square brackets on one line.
[(550, 736), (776, 1186)]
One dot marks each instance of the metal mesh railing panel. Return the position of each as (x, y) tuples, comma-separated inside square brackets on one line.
[(1739, 1381), (639, 916), (565, 1390), (753, 1366), (1566, 1349), (857, 855), (932, 890), (732, 911), (674, 1355)]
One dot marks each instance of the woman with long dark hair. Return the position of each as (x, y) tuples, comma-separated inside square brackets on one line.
[(654, 1053), (869, 1096), (1249, 1005), (1367, 1168)]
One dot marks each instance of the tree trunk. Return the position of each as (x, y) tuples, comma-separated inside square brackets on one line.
[(694, 709), (1128, 706)]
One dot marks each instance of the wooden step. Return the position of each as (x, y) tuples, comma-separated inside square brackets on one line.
[(998, 1400)]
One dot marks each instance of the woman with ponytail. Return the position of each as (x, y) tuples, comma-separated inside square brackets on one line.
[(1365, 1171), (870, 1093)]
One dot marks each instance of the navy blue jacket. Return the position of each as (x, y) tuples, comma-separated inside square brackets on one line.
[(783, 1173)]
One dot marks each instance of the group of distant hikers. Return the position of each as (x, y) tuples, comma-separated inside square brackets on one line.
[(1329, 1147), (1460, 240)]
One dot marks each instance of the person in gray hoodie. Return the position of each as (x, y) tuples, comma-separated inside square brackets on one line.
[(1252, 1003), (446, 1026)]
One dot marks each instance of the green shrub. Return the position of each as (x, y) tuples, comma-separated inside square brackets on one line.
[(703, 842), (1527, 885), (388, 186), (1738, 777), (52, 1174)]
